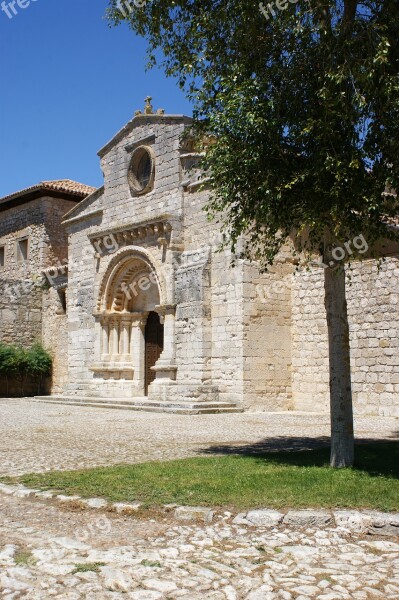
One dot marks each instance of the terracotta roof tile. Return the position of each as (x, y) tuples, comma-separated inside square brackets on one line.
[(58, 185)]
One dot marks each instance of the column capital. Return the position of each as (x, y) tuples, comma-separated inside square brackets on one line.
[(165, 309), (99, 316), (126, 317), (139, 319)]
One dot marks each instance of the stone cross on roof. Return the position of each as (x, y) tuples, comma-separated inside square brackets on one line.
[(148, 109)]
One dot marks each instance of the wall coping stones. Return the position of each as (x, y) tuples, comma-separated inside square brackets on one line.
[(351, 521)]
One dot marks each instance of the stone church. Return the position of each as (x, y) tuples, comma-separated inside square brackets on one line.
[(140, 309)]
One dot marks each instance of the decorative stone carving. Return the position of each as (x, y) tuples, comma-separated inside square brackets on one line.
[(126, 235), (149, 109)]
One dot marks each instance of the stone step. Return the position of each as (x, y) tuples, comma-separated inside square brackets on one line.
[(144, 400), (144, 405)]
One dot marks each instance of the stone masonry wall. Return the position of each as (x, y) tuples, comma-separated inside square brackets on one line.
[(80, 305), (20, 292), (224, 303), (373, 310), (267, 341), (55, 339), (24, 304), (54, 324)]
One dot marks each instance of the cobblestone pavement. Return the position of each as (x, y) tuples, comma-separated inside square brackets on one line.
[(50, 551), (37, 437), (47, 551)]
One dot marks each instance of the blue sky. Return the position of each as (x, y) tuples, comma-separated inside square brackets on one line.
[(68, 83)]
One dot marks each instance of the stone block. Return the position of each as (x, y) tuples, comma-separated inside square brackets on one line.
[(126, 508), (95, 503), (383, 523), (352, 520), (265, 517), (307, 518), (194, 513)]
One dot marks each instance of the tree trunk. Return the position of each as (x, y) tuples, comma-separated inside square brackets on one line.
[(342, 437)]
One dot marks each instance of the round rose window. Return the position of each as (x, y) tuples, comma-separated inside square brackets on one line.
[(141, 171)]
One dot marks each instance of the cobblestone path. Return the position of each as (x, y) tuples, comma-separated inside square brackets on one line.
[(37, 437), (47, 551), (50, 551)]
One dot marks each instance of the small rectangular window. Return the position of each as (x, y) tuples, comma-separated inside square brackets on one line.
[(2, 256), (22, 251)]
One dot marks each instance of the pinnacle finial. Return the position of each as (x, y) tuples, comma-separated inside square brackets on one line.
[(148, 108)]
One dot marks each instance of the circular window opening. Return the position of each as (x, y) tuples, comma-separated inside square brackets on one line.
[(141, 170)]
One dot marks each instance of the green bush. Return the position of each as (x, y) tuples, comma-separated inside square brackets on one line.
[(19, 364), (6, 362), (38, 363)]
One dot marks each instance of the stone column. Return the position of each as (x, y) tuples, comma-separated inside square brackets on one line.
[(137, 347), (125, 326), (166, 365), (114, 338), (105, 338)]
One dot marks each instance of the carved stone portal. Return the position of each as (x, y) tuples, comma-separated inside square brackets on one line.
[(129, 298)]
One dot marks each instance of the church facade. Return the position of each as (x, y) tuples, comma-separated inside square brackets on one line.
[(157, 318), (154, 310)]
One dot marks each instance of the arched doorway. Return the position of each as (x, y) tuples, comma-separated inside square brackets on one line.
[(129, 331), (154, 343), (135, 326)]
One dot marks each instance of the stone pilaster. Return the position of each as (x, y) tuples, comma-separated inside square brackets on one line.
[(166, 365)]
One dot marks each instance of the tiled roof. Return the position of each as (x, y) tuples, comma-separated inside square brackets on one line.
[(60, 185)]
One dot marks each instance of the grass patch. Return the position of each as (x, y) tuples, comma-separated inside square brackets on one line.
[(24, 558), (276, 479), (154, 564), (88, 567)]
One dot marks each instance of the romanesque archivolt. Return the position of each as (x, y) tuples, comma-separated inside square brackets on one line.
[(132, 272)]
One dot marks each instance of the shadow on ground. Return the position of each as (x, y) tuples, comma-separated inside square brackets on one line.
[(376, 457)]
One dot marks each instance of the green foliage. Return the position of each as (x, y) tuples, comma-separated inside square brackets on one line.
[(304, 108), (38, 361), (20, 363), (13, 361), (6, 359), (278, 479)]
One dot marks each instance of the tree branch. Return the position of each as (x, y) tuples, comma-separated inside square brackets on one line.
[(350, 9), (323, 10)]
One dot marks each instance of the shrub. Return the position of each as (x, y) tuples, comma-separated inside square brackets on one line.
[(38, 363), (18, 363), (6, 361)]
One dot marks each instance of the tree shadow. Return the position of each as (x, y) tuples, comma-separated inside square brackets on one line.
[(376, 457)]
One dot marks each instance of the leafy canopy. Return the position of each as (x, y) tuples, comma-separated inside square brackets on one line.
[(304, 107)]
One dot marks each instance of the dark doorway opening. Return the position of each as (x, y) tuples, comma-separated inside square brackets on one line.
[(153, 346)]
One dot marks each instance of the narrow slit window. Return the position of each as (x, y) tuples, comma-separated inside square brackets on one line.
[(2, 256), (62, 297), (22, 251)]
